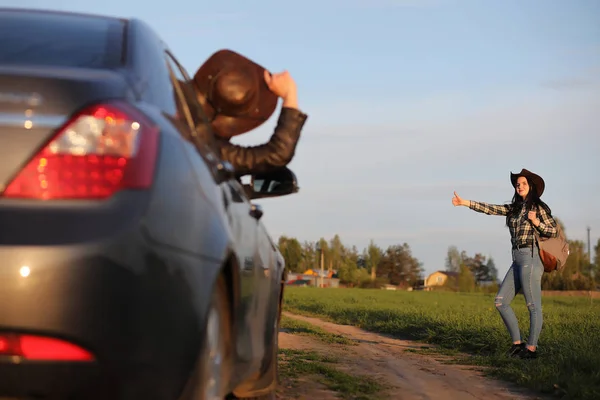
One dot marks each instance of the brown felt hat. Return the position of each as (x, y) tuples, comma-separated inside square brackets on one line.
[(531, 177), (233, 93)]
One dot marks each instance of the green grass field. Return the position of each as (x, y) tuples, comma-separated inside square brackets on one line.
[(569, 346)]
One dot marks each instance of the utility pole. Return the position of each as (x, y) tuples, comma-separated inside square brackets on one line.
[(589, 245), (322, 265)]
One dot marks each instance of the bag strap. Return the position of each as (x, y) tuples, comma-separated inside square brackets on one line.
[(536, 234)]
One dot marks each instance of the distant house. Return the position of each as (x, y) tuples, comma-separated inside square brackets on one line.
[(317, 272), (439, 278), (313, 278)]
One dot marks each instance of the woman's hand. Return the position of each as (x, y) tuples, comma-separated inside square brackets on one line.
[(532, 215), (458, 201), (283, 85)]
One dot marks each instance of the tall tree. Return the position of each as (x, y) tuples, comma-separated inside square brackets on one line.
[(373, 258), (453, 259), (492, 270), (311, 256), (336, 253), (291, 250), (596, 265), (478, 267), (349, 272), (578, 258), (399, 266), (466, 279)]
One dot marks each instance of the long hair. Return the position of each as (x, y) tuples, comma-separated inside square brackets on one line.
[(532, 202)]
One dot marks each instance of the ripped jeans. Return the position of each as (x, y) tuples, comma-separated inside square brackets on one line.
[(524, 274)]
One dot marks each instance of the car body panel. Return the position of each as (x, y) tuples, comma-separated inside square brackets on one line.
[(92, 295)]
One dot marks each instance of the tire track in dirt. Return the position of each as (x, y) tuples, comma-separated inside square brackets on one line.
[(408, 375)]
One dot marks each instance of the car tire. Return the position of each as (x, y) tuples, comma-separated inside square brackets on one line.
[(271, 395), (212, 373)]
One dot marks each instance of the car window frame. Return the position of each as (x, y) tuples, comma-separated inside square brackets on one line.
[(195, 115), (202, 139)]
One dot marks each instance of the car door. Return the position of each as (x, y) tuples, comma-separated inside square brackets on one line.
[(271, 275), (243, 225)]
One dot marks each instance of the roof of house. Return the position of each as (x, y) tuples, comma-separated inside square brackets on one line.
[(447, 273)]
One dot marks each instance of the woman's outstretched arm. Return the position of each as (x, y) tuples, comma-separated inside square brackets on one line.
[(485, 208)]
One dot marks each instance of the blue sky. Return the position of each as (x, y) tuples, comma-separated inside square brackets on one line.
[(408, 101)]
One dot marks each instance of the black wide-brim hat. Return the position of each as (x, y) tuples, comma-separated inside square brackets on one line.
[(537, 180), (236, 98)]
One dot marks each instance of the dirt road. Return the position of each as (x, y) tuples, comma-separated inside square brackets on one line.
[(405, 373)]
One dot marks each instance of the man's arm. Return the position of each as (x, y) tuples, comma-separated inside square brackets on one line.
[(277, 152)]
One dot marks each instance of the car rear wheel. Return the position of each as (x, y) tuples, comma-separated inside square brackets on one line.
[(215, 345), (212, 372), (271, 395)]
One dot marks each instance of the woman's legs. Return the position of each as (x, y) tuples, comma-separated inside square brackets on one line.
[(531, 279), (509, 288)]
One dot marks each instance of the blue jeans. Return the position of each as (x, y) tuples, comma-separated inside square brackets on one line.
[(524, 274)]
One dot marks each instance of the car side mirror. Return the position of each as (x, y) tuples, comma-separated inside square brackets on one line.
[(275, 183)]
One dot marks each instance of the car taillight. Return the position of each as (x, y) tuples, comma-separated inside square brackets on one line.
[(101, 150), (41, 348)]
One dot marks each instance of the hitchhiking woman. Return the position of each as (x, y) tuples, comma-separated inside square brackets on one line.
[(525, 213)]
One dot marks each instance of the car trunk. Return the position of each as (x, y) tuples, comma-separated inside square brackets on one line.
[(36, 102)]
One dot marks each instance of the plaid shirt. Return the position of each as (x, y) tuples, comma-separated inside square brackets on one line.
[(521, 229)]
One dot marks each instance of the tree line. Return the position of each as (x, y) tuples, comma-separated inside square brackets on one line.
[(371, 266), (374, 266), (470, 274)]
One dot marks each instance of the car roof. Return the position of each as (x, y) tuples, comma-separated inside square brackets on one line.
[(60, 12), (109, 35), (124, 20)]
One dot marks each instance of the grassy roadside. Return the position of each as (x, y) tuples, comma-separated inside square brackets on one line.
[(297, 365), (303, 328), (569, 360)]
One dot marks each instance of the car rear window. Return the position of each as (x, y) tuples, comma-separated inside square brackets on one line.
[(60, 40)]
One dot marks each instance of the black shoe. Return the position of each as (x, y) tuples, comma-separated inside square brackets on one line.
[(528, 354), (516, 349)]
